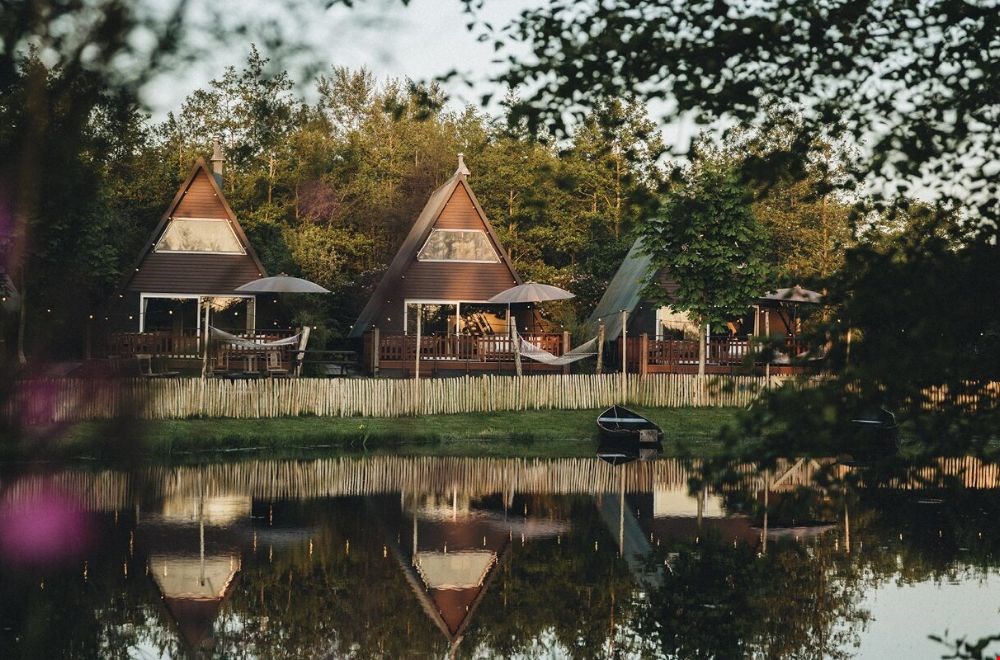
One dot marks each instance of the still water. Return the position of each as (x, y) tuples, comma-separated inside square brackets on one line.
[(436, 557)]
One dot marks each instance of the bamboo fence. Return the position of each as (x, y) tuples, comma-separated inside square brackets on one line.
[(68, 400), (272, 480)]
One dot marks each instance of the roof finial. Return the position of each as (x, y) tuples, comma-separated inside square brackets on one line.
[(462, 169), (218, 158)]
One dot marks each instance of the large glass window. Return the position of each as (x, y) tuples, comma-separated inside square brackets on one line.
[(436, 318), (199, 235), (458, 245)]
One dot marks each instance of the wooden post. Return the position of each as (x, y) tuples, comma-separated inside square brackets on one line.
[(565, 349), (624, 355), (376, 348), (767, 338), (87, 349), (847, 529), (643, 354), (416, 369), (515, 340), (767, 490), (204, 359), (600, 349), (703, 348)]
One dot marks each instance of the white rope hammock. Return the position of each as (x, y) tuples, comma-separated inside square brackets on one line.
[(537, 354), (243, 342)]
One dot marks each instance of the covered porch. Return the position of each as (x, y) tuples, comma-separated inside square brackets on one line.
[(460, 337), (173, 329)]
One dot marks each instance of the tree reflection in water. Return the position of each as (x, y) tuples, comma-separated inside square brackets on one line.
[(468, 557)]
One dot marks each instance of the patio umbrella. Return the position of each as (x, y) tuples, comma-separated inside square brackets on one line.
[(531, 292), (794, 294), (528, 292), (281, 284)]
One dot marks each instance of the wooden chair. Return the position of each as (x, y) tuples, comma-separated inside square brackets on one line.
[(275, 365)]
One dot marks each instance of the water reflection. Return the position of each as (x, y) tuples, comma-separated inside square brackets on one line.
[(401, 557)]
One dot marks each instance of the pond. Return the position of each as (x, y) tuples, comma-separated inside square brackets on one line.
[(436, 557)]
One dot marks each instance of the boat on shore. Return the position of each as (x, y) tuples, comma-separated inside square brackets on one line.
[(874, 434), (618, 423)]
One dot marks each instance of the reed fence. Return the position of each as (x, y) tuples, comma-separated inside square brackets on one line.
[(67, 400)]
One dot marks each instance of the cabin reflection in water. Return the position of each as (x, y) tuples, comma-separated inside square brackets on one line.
[(450, 549), (194, 554), (390, 554)]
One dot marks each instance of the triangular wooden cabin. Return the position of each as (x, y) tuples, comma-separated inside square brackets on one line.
[(448, 267), (197, 250), (450, 263)]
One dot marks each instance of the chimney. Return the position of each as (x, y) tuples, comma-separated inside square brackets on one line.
[(462, 169), (218, 159)]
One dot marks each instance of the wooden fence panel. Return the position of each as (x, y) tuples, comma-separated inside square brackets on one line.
[(67, 400)]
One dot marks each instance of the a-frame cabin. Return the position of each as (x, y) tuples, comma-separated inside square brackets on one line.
[(197, 250), (449, 265)]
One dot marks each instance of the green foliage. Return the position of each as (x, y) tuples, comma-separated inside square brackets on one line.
[(708, 239), (328, 189)]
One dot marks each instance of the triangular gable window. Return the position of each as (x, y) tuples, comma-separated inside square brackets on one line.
[(207, 235), (469, 245)]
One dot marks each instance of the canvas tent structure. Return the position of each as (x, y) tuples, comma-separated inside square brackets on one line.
[(625, 293), (660, 339), (438, 286)]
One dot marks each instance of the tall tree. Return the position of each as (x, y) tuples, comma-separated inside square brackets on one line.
[(708, 239)]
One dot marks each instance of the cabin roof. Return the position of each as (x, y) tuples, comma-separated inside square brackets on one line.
[(415, 239), (623, 293), (191, 272)]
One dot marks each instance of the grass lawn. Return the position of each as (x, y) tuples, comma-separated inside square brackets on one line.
[(550, 433)]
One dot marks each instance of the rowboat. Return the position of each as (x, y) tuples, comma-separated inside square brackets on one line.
[(875, 432), (621, 424)]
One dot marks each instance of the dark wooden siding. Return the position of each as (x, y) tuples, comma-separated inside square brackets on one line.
[(200, 200), (193, 273), (162, 272), (446, 280), (459, 213)]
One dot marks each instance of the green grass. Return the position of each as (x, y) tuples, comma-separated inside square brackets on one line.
[(551, 433)]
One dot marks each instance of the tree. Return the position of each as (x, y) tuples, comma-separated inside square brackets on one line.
[(874, 69), (915, 83), (708, 239)]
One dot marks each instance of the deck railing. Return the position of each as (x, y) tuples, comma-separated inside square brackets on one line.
[(176, 343), (487, 348), (721, 355), (185, 343)]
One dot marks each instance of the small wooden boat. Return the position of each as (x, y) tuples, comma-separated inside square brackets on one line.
[(619, 452), (621, 424), (876, 432)]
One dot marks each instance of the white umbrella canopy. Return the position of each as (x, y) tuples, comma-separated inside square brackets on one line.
[(530, 292), (794, 294), (281, 284)]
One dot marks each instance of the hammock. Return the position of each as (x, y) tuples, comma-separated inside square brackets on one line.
[(242, 342), (537, 354)]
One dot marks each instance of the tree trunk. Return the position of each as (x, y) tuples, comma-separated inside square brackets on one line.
[(702, 328), (22, 319)]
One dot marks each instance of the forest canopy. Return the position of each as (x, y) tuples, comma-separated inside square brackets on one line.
[(326, 188)]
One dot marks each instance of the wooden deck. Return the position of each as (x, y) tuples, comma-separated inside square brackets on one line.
[(441, 356), (157, 352), (733, 357)]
